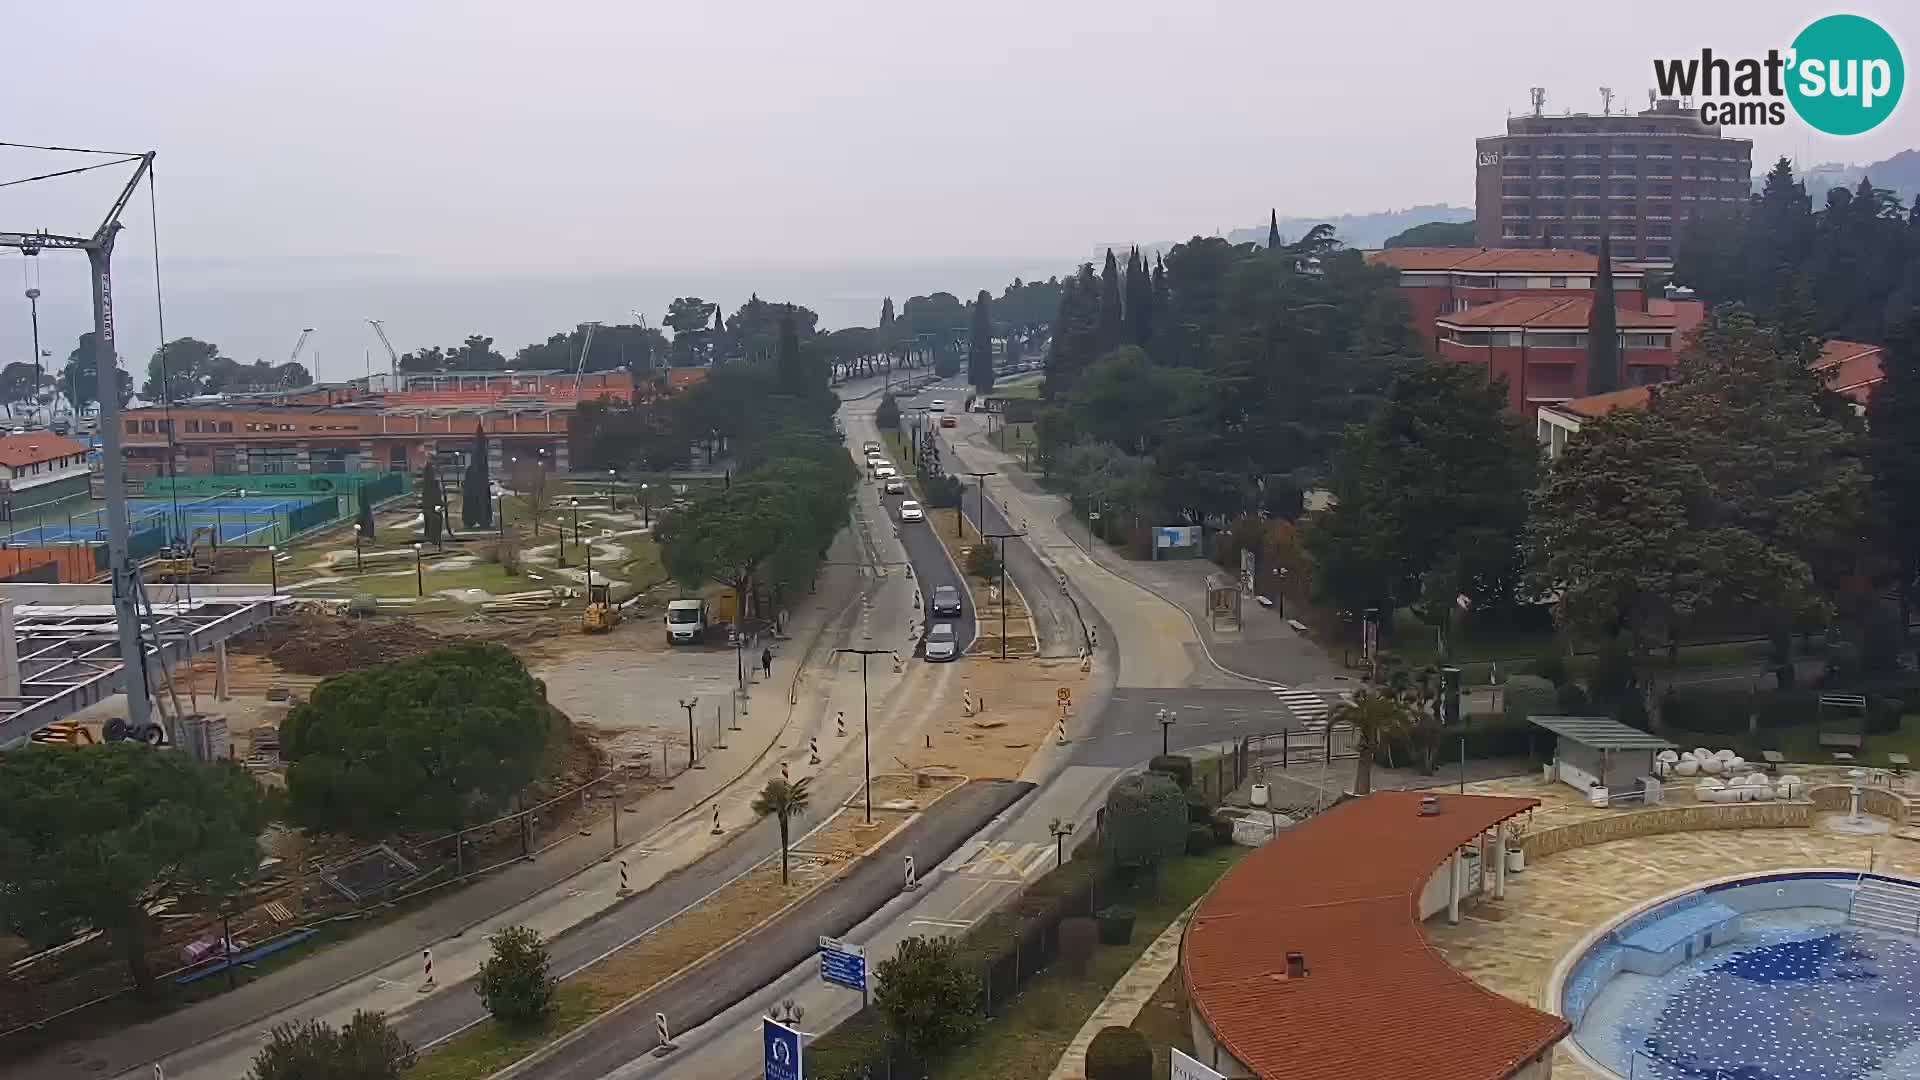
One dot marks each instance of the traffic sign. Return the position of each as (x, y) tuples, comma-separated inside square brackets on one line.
[(1184, 1068), (1064, 695), (843, 964), (782, 1045)]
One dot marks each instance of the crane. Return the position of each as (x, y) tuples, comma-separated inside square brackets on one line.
[(380, 331), (300, 346), (586, 347), (653, 362)]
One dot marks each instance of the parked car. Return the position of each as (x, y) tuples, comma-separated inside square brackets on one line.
[(948, 421), (910, 511), (885, 471), (946, 601), (942, 645), (872, 448), (937, 405), (896, 486)]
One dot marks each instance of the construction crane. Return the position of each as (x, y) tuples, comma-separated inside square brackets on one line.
[(653, 362), (300, 346), (393, 358), (586, 347)]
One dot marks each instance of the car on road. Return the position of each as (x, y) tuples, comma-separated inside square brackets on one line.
[(937, 405), (872, 448), (942, 645), (948, 421), (896, 486), (885, 471), (946, 600), (910, 511)]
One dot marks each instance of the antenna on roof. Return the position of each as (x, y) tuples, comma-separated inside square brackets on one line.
[(1606, 101), (1650, 99), (1538, 95)]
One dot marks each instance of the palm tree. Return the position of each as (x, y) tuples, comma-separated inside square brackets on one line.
[(784, 801), (1375, 717)]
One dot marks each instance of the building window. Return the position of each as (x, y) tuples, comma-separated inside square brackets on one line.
[(1557, 340), (1645, 374), (1557, 283), (133, 427), (1504, 337), (146, 427), (1624, 149), (1471, 337), (1644, 340), (193, 426), (1591, 149), (226, 427)]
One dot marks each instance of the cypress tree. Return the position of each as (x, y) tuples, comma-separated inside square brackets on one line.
[(886, 329), (364, 517), (1603, 339), (980, 345), (476, 489), (432, 506), (1139, 300), (1112, 331), (719, 330), (1893, 450), (1273, 230)]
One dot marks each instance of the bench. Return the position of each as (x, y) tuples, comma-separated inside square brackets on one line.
[(1842, 740), (1298, 626)]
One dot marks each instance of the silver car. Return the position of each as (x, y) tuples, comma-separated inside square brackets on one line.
[(941, 644)]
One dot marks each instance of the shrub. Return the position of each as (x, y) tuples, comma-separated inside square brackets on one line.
[(1571, 699), (1199, 812), (1116, 925), (366, 1049), (1223, 828), (1119, 1053), (930, 998), (1553, 666), (1178, 766), (887, 416), (1077, 938), (1146, 820), (1199, 839), (943, 491), (983, 561), (1883, 715), (515, 981), (1529, 696)]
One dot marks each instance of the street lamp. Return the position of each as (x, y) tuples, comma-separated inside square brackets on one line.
[(646, 507), (866, 729), (574, 504), (273, 567), (499, 508), (1060, 830), (611, 505), (1167, 718), (693, 760), (419, 578)]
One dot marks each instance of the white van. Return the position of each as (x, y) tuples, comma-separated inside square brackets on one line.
[(686, 621)]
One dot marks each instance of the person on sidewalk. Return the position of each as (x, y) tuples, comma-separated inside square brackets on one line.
[(766, 663)]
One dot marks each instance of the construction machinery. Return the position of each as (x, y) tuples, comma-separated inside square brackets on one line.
[(182, 563), (63, 733), (601, 614)]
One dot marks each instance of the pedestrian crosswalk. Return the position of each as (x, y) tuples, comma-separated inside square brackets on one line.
[(1002, 860), (1310, 707)]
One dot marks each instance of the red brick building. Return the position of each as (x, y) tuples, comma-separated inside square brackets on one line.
[(1539, 345), (1447, 281)]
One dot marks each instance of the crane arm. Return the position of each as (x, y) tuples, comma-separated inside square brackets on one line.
[(34, 241), (380, 331), (299, 345), (585, 348)]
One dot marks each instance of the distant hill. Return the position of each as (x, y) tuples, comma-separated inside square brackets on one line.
[(1900, 173), (1354, 230), (1434, 234)]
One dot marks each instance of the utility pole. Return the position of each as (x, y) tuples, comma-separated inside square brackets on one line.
[(1003, 538), (123, 568), (980, 526), (866, 727)]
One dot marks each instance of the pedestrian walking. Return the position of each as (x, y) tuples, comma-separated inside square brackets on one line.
[(766, 662)]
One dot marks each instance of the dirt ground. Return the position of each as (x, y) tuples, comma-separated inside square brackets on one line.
[(1021, 712)]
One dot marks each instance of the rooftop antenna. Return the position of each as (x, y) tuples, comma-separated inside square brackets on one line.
[(1606, 101), (1538, 95), (1650, 99)]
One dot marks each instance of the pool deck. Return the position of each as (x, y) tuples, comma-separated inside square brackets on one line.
[(1513, 945)]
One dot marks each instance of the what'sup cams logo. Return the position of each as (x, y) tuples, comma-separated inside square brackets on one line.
[(1842, 76)]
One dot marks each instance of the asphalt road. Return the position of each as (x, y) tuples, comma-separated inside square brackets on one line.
[(696, 996), (932, 566), (1129, 732)]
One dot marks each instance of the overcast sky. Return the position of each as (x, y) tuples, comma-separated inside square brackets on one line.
[(560, 137)]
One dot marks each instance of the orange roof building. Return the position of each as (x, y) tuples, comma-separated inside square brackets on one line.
[(1308, 962), (1538, 344)]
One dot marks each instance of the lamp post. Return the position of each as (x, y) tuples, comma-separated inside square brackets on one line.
[(273, 567), (358, 567), (574, 505), (499, 508), (560, 530), (611, 505), (693, 759), (1003, 538), (866, 728), (1060, 830), (646, 507), (589, 562), (419, 577), (1167, 718), (980, 478)]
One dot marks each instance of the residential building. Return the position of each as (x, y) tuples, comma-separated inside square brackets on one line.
[(38, 468), (1439, 281), (1539, 345), (1852, 369), (1557, 181)]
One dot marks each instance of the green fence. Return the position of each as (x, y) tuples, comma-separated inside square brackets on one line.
[(380, 484), (318, 512)]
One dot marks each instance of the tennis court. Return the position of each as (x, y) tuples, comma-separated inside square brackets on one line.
[(239, 520)]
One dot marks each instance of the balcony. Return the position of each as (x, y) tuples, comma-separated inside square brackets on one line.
[(1510, 216), (1516, 196), (1623, 196), (1514, 156), (1550, 217), (1587, 176), (1685, 198), (1623, 176), (1551, 157), (1659, 157), (1669, 236), (1657, 217), (1586, 217), (1552, 176), (1594, 157)]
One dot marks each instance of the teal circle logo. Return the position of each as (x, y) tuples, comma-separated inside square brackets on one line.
[(1846, 76)]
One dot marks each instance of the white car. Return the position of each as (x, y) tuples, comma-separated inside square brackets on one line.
[(884, 471), (941, 643), (910, 511), (896, 486), (937, 405)]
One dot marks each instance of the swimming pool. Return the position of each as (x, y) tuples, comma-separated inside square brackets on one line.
[(1809, 975)]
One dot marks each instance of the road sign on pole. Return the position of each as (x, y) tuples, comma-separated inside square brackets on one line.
[(1184, 1068), (782, 1056), (843, 964)]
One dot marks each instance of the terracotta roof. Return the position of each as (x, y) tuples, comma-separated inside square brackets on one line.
[(1571, 312), (1377, 1000), (1597, 405), (18, 450), (1852, 368), (1492, 260)]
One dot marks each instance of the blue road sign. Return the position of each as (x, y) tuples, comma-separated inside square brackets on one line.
[(842, 964), (782, 1051)]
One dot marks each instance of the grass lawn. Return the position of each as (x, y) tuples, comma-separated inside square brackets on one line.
[(1012, 438), (1801, 743), (1025, 1042), (489, 1046), (1164, 1022)]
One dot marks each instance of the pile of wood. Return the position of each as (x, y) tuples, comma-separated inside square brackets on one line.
[(531, 600)]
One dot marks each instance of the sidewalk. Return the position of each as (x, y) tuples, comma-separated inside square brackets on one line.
[(562, 887)]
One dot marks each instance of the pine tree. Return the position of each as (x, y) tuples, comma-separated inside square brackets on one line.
[(476, 489), (1273, 230), (980, 345), (1603, 339), (1112, 332), (1893, 424)]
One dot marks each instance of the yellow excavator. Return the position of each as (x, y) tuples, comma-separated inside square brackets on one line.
[(600, 616)]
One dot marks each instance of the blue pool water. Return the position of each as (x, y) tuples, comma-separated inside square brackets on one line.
[(1788, 993)]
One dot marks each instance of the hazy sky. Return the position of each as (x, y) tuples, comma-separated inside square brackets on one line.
[(570, 135)]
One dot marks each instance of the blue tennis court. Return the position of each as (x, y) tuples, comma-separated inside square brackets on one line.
[(240, 520)]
